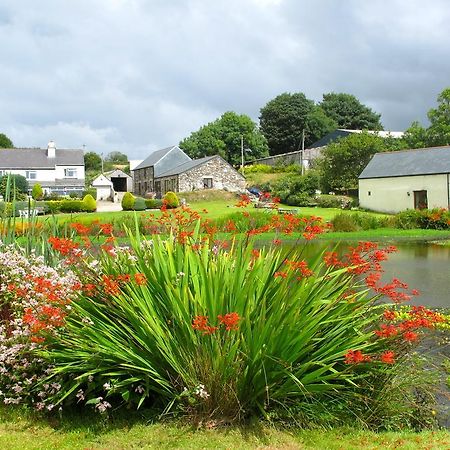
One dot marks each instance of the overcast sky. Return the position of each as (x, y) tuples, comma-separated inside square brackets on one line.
[(138, 75)]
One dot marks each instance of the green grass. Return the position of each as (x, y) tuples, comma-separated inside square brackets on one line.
[(21, 429)]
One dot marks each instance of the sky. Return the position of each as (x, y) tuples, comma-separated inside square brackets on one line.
[(138, 75)]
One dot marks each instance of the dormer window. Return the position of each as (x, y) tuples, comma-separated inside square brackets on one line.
[(70, 172)]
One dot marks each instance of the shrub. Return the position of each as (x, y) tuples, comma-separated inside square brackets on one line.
[(89, 203), (128, 201), (344, 222), (139, 204), (334, 201), (153, 203), (37, 192), (171, 200), (91, 191), (71, 206), (54, 206)]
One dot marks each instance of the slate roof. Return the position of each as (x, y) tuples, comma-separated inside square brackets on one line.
[(36, 158), (342, 133), (186, 166), (164, 160), (425, 161)]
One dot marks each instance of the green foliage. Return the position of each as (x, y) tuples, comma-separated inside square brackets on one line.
[(432, 219), (89, 203), (334, 201), (128, 201), (358, 221), (287, 347), (297, 190), (153, 203), (171, 200), (223, 137), (116, 157), (264, 168), (139, 204), (284, 118), (37, 192), (5, 142), (438, 132), (13, 186), (343, 161), (92, 162), (90, 191), (71, 206), (349, 113)]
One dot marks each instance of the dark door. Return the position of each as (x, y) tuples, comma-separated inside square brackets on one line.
[(119, 184), (420, 200)]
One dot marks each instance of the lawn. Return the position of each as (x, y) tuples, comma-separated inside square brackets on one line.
[(20, 429)]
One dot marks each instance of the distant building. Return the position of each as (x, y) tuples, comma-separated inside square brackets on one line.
[(306, 156), (170, 169), (110, 184), (59, 171), (408, 179)]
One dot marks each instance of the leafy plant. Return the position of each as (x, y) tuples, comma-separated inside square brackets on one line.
[(128, 201), (37, 192), (171, 200), (89, 203)]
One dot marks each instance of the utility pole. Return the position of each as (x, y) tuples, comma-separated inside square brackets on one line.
[(242, 154), (101, 154), (302, 152)]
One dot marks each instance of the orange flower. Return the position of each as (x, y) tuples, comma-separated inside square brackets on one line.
[(140, 279), (388, 357)]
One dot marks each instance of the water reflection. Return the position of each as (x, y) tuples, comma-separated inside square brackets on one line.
[(423, 266)]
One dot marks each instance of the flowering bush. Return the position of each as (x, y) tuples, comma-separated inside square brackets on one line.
[(34, 300), (224, 332)]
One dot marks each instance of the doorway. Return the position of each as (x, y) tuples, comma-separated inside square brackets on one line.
[(420, 200)]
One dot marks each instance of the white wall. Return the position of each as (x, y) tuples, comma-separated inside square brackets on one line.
[(41, 174), (59, 172), (391, 194)]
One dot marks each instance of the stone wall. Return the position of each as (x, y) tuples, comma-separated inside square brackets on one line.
[(143, 180), (214, 174)]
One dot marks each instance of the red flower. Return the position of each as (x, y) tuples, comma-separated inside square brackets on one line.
[(388, 357), (356, 357), (410, 336), (230, 320), (140, 279)]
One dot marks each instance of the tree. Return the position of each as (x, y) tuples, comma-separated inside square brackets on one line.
[(116, 158), (223, 137), (5, 142), (438, 132), (349, 113), (92, 162), (284, 119), (343, 161), (18, 182), (37, 192)]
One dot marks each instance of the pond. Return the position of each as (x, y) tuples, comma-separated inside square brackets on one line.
[(424, 266)]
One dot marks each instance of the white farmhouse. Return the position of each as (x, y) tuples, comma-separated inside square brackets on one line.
[(409, 179), (56, 170)]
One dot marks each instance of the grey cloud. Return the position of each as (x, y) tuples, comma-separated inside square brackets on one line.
[(135, 75)]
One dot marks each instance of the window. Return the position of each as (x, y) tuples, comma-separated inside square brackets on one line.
[(207, 183), (70, 172), (30, 174)]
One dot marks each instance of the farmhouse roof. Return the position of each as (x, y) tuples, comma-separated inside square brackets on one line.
[(189, 165), (36, 158), (425, 161), (164, 159)]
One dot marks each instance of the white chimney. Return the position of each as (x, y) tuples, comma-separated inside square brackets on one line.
[(51, 149)]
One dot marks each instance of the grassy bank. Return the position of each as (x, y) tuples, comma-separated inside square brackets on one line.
[(22, 430)]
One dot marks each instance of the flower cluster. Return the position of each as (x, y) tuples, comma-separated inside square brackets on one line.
[(230, 321)]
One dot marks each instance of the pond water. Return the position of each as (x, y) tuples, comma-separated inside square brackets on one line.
[(423, 266)]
